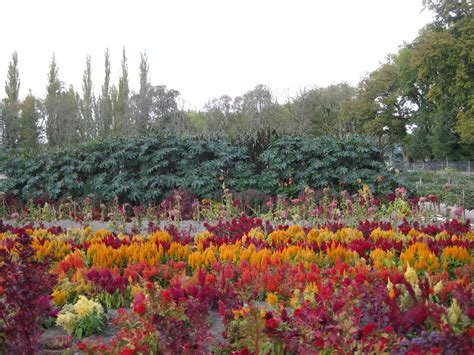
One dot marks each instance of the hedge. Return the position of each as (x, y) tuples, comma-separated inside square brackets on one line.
[(143, 170)]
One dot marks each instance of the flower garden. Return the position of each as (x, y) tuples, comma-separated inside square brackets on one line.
[(290, 245), (313, 274)]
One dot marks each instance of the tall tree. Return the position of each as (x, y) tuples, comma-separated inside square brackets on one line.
[(164, 107), (122, 122), (87, 103), (11, 104), (29, 130), (105, 109), (438, 78), (144, 99), (72, 128), (54, 125), (449, 11)]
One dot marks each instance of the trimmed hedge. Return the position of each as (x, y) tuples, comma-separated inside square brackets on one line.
[(142, 170)]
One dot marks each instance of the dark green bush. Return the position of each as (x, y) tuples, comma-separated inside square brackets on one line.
[(142, 170)]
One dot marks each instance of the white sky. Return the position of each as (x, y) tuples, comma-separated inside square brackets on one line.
[(207, 48)]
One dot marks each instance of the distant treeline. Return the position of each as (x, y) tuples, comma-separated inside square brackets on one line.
[(419, 101)]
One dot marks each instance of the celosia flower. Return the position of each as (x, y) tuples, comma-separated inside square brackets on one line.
[(368, 329), (139, 308), (391, 291), (411, 276), (438, 287), (271, 324), (454, 313), (84, 307), (272, 299)]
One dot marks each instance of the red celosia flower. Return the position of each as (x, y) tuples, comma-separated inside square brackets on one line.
[(81, 346), (246, 276), (368, 329), (139, 308), (221, 308), (127, 352), (166, 296), (360, 278), (210, 279), (470, 312), (388, 329), (271, 323)]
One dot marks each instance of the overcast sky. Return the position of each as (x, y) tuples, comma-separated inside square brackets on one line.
[(207, 48)]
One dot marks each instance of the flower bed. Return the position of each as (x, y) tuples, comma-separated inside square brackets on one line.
[(282, 289)]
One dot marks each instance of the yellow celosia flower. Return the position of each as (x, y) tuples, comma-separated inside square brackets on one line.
[(84, 307), (438, 287), (411, 276), (67, 320), (272, 299), (454, 313), (391, 290), (59, 297)]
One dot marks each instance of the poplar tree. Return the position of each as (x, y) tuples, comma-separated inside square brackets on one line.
[(105, 109), (52, 103), (87, 103), (11, 104), (122, 124), (144, 100), (29, 133)]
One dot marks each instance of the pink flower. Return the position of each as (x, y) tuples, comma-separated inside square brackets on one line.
[(314, 213), (458, 212), (422, 199), (284, 214)]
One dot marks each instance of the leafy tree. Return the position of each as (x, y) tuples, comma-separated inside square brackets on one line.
[(380, 109), (142, 101), (164, 107), (258, 107), (105, 107), (121, 124), (52, 103), (449, 11), (29, 123), (87, 103), (438, 78), (325, 109), (11, 104)]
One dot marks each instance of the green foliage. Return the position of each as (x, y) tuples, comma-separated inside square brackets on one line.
[(143, 170)]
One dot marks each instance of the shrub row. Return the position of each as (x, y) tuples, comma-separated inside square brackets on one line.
[(143, 170)]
